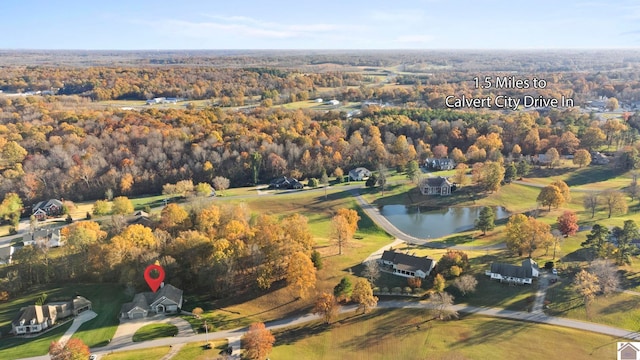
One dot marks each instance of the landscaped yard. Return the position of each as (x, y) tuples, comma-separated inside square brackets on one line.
[(106, 301), (155, 331), (394, 334), (17, 348)]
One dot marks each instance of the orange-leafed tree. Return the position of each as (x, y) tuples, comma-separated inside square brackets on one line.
[(74, 349), (327, 307), (257, 342), (301, 275)]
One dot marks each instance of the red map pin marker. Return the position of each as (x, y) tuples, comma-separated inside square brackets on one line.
[(154, 283)]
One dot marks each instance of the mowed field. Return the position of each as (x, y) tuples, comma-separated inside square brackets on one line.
[(405, 334)]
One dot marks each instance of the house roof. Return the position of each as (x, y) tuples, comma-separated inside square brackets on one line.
[(79, 302), (169, 292), (140, 300), (360, 170), (523, 271), (408, 262), (47, 204), (438, 181), (37, 312)]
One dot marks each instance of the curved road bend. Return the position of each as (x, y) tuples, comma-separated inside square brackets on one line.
[(377, 218)]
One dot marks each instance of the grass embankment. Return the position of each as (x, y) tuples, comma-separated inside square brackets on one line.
[(147, 354), (278, 303), (155, 331), (394, 334), (197, 351), (106, 301)]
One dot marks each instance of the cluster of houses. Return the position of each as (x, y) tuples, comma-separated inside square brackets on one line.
[(34, 319)]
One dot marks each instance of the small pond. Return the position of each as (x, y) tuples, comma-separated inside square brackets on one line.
[(424, 223)]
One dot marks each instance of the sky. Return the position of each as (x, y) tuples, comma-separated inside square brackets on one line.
[(326, 24)]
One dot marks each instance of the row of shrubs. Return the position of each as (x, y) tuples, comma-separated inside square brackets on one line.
[(399, 291)]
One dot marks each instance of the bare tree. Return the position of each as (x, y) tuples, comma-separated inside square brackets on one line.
[(607, 273), (633, 188), (440, 306), (590, 202), (587, 285), (221, 183), (371, 271), (466, 284)]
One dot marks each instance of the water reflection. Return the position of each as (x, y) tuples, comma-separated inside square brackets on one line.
[(429, 223)]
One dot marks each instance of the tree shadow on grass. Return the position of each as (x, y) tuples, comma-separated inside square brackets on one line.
[(621, 306), (493, 331), (296, 333), (592, 174)]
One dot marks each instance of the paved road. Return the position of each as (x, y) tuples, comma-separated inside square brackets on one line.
[(535, 317)]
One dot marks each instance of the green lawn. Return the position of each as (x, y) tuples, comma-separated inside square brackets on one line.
[(155, 331), (197, 351), (16, 348), (619, 309), (394, 334), (146, 354), (106, 301)]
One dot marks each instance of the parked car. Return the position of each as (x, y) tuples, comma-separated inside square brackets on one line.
[(554, 271)]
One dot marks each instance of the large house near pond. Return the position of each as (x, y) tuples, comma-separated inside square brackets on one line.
[(435, 186), (167, 300), (406, 265), (514, 274), (37, 318)]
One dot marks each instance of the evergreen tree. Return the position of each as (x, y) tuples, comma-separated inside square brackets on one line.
[(486, 220)]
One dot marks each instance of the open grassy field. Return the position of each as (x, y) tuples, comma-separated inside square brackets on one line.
[(155, 331), (196, 351), (16, 348), (394, 334), (147, 354)]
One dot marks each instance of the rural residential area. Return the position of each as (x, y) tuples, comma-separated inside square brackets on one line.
[(332, 181)]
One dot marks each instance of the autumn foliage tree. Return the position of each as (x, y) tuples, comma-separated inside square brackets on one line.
[(74, 349), (550, 196), (582, 157), (453, 259), (301, 275), (343, 226), (363, 295), (327, 307), (568, 223), (526, 234), (121, 206), (615, 202), (257, 342)]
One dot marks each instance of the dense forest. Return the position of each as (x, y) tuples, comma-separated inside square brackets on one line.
[(65, 146)]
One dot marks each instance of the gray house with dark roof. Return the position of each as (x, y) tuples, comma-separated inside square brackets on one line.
[(435, 186), (36, 318), (514, 274), (406, 265), (167, 300)]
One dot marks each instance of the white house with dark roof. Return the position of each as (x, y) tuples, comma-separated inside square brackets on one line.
[(514, 274), (435, 186), (359, 174), (167, 300), (406, 265)]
